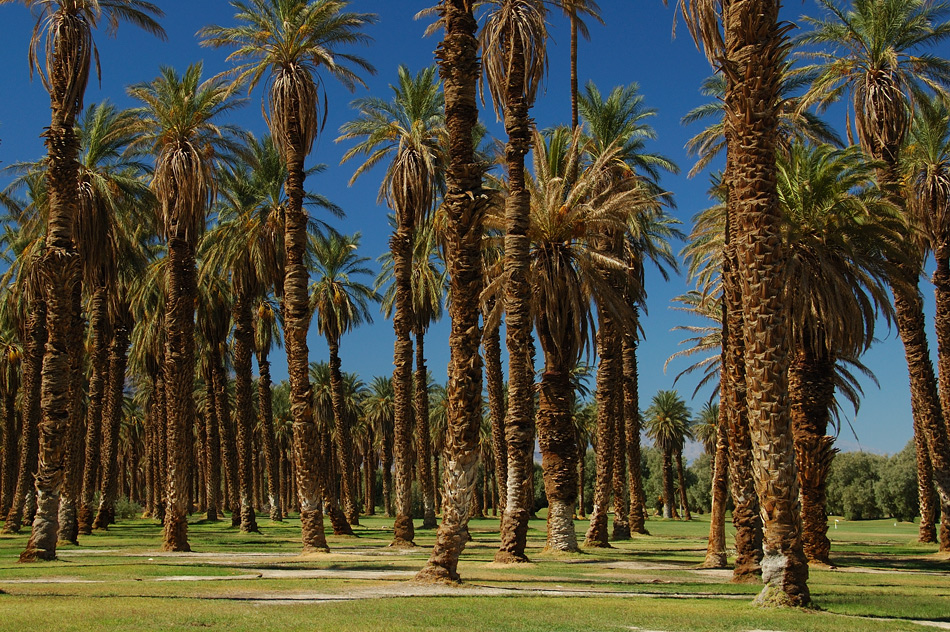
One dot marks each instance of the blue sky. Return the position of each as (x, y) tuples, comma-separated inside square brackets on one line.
[(636, 45)]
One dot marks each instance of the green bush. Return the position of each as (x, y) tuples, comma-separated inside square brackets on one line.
[(897, 489), (125, 509), (851, 484)]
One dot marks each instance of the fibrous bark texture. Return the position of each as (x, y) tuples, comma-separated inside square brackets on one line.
[(716, 546), (266, 420), (631, 414), (243, 347), (465, 207), (607, 373)]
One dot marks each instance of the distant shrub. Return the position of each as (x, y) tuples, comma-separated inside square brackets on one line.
[(125, 509), (851, 484), (897, 490)]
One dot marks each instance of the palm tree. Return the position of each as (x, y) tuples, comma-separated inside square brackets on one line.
[(750, 48), (707, 430), (290, 42), (378, 409), (878, 57), (514, 56), (178, 123), (340, 303), (574, 9), (406, 129), (66, 26), (668, 424), (266, 334), (928, 165)]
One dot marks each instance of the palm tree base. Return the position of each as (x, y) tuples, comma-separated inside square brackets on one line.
[(176, 534), (311, 527), (716, 559), (403, 532), (562, 536), (507, 557), (621, 531)]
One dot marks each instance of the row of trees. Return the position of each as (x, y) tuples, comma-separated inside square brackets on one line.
[(794, 261)]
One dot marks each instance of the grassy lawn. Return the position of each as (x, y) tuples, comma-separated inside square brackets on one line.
[(118, 580)]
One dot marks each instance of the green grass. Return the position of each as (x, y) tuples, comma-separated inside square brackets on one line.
[(118, 580)]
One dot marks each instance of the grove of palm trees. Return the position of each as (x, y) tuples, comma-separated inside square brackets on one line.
[(338, 300)]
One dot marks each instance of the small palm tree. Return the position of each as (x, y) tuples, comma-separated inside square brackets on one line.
[(289, 43), (668, 424), (379, 411), (340, 303), (178, 124)]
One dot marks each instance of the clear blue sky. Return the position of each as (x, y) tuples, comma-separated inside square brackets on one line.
[(634, 46)]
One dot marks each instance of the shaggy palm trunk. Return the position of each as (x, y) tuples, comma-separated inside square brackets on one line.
[(518, 422), (812, 391), (212, 447), (669, 508), (72, 483), (10, 434), (344, 436), (243, 346), (745, 514), (716, 546), (101, 334), (465, 208), (621, 530), (631, 415), (161, 444), (941, 280), (266, 420), (681, 478), (607, 378), (330, 484), (296, 322), (423, 438), (31, 413), (387, 466), (558, 449), (60, 269), (180, 377), (228, 443), (112, 420), (401, 247), (494, 379), (755, 58)]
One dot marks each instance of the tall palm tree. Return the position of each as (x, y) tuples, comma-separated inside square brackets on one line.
[(668, 424), (266, 335), (290, 43), (340, 303), (574, 10), (67, 57), (378, 409), (407, 130), (875, 52), (751, 50), (178, 122), (514, 55), (928, 166), (841, 230)]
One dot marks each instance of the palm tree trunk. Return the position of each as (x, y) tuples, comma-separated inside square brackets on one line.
[(228, 443), (669, 509), (607, 373), (812, 391), (401, 247), (180, 376), (10, 434), (621, 530), (60, 270), (631, 414), (514, 525), (681, 478), (212, 446), (330, 486), (494, 379), (558, 452), (266, 413), (387, 465), (423, 438), (716, 547), (296, 323), (72, 483), (112, 418), (101, 334), (755, 54), (745, 514), (243, 346), (344, 435), (459, 69), (161, 442), (941, 280)]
